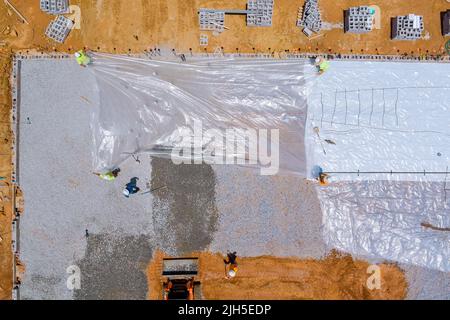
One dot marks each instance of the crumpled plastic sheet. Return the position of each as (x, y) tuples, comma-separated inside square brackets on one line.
[(383, 219), (151, 106)]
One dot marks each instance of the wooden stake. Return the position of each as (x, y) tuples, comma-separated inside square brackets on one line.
[(315, 37), (16, 11)]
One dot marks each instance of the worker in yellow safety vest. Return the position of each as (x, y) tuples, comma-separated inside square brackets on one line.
[(322, 64), (82, 58), (109, 176)]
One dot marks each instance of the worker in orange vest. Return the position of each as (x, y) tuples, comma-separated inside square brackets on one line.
[(323, 179)]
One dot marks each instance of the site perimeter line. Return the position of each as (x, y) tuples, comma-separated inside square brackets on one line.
[(388, 172)]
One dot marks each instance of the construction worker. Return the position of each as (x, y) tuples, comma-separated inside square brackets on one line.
[(322, 64), (323, 179), (110, 175), (167, 290), (131, 187), (82, 58), (320, 175), (190, 288), (231, 261)]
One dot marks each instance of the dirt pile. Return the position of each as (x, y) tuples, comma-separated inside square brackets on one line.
[(337, 276)]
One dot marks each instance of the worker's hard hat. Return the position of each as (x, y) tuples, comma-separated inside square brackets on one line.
[(318, 60), (231, 273), (125, 192), (77, 54)]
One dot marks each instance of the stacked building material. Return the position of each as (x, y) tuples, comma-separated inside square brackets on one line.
[(55, 6), (310, 19), (203, 40), (213, 20), (59, 29), (409, 27), (358, 19), (259, 13), (446, 23)]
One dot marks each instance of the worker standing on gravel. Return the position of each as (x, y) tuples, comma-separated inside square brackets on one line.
[(322, 64), (109, 176), (231, 261), (131, 187), (82, 58)]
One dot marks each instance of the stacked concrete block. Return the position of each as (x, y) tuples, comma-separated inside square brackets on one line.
[(259, 13), (409, 27), (59, 29), (358, 20), (55, 6), (203, 40), (310, 18), (446, 23), (213, 20)]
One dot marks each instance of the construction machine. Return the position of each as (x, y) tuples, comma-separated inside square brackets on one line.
[(179, 279)]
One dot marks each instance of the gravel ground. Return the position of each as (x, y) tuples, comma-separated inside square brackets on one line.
[(184, 207), (426, 283), (64, 198), (267, 215)]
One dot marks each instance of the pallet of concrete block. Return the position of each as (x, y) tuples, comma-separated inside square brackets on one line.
[(409, 27), (446, 23), (210, 19), (309, 18), (358, 19), (259, 13), (55, 6), (59, 29)]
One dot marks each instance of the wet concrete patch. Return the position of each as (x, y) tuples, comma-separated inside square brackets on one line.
[(47, 287), (114, 268), (184, 210)]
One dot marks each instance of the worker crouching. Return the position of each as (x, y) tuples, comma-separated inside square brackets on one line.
[(322, 64), (110, 175), (323, 179), (320, 176), (82, 58), (231, 262), (131, 187)]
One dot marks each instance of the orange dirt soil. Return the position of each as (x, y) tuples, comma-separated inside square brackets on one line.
[(120, 26), (337, 276), (6, 196), (123, 26)]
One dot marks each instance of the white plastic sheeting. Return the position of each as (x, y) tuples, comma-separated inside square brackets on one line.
[(389, 220), (152, 106), (383, 116)]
